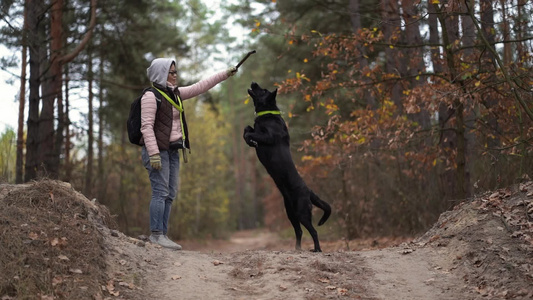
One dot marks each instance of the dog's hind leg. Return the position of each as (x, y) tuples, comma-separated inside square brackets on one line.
[(305, 218), (306, 222), (295, 223), (297, 231)]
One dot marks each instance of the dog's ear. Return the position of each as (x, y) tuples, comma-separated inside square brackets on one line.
[(275, 92)]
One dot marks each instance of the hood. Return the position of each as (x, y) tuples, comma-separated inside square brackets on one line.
[(158, 70)]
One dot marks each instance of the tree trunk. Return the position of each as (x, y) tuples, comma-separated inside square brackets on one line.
[(51, 89), (468, 41), (22, 101), (488, 63), (413, 55), (361, 61), (522, 26), (452, 142), (390, 14), (434, 39), (101, 175), (67, 164), (90, 137), (36, 37), (42, 157), (507, 51)]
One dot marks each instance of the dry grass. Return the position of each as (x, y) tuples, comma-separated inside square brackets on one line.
[(50, 244)]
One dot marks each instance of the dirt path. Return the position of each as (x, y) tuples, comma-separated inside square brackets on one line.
[(401, 275), (482, 249), (236, 273)]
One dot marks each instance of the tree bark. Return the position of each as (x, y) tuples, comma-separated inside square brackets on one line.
[(507, 54), (390, 14), (22, 101), (90, 130), (361, 61), (101, 175), (434, 39), (453, 142), (67, 164), (43, 149), (36, 38), (413, 57), (488, 63)]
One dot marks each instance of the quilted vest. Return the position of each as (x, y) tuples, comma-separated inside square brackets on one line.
[(163, 121)]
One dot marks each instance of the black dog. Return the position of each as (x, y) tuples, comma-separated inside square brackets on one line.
[(270, 137)]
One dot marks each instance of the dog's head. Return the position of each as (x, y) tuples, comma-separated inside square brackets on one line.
[(263, 99)]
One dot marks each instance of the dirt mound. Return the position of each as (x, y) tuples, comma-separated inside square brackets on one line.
[(56, 244), (488, 242), (49, 242)]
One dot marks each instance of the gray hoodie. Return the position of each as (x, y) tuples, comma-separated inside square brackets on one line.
[(158, 70)]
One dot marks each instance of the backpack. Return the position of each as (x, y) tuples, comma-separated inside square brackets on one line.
[(134, 119)]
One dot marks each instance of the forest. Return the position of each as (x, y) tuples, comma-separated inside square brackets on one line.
[(397, 109)]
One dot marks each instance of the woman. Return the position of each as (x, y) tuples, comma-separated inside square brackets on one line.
[(164, 131)]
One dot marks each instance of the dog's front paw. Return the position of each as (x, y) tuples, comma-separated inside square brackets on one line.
[(248, 130), (249, 140)]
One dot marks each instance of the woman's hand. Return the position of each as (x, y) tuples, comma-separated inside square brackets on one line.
[(231, 71), (155, 161)]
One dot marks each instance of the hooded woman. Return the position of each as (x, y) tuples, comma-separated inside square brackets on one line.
[(164, 131)]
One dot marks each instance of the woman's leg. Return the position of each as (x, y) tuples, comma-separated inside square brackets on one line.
[(173, 181), (159, 181)]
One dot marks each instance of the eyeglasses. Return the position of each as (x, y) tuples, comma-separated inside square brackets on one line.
[(173, 72)]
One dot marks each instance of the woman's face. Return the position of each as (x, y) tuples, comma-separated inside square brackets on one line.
[(172, 75)]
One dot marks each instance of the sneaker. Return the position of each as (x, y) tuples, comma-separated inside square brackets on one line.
[(169, 241), (163, 241)]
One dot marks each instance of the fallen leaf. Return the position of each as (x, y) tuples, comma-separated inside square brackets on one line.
[(331, 287), (54, 242), (122, 262), (217, 262), (57, 280), (177, 264), (33, 235), (282, 287), (175, 277), (131, 286), (324, 280), (63, 257), (111, 288), (342, 292), (76, 271)]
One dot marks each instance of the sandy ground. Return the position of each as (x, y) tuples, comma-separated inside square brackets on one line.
[(482, 249), (243, 270), (56, 244)]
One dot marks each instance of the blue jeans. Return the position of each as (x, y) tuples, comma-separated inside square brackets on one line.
[(164, 184)]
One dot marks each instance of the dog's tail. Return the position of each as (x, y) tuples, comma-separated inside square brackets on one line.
[(322, 205)]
